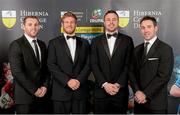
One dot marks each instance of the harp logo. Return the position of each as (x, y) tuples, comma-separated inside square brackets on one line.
[(123, 18), (9, 18)]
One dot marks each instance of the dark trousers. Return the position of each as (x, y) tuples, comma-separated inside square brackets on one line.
[(39, 106), (109, 106), (28, 108), (72, 106), (141, 109)]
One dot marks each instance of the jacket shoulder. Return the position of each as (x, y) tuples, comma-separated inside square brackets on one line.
[(165, 45), (54, 40), (98, 38)]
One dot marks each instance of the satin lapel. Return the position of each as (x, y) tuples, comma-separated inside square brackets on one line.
[(152, 50), (28, 45), (64, 45), (106, 47), (118, 40), (78, 47)]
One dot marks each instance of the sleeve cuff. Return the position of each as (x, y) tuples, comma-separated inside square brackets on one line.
[(104, 84)]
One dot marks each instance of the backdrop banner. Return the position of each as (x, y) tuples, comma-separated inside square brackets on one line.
[(90, 23)]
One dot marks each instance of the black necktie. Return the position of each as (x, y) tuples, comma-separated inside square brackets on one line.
[(36, 50), (73, 37), (145, 49), (110, 35)]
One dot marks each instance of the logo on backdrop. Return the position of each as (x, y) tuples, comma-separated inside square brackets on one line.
[(9, 18), (96, 16), (123, 18)]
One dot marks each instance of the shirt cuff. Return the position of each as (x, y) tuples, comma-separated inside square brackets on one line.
[(104, 84)]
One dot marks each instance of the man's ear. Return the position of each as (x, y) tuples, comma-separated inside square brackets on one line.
[(22, 26), (156, 28)]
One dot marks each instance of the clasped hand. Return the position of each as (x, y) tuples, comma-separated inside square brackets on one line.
[(112, 89), (40, 92), (140, 97), (73, 84)]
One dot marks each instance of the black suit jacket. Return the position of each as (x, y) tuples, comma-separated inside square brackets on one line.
[(63, 68), (27, 73), (112, 69), (152, 74)]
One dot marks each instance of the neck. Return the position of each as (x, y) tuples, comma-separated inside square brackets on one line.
[(111, 32)]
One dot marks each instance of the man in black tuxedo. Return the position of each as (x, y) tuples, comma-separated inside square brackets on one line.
[(151, 70), (110, 54), (68, 61), (28, 61)]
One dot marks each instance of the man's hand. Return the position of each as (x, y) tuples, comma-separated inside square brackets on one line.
[(111, 88), (41, 92), (73, 84), (140, 97), (38, 92), (44, 90)]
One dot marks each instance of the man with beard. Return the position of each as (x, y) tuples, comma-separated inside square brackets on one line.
[(28, 61), (110, 56), (68, 61)]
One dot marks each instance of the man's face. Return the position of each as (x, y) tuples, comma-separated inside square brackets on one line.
[(148, 29), (111, 22), (69, 25), (31, 27)]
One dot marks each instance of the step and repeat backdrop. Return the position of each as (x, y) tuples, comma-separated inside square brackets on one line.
[(90, 22)]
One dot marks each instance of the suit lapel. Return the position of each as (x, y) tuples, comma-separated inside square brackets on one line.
[(152, 50), (118, 40), (77, 52), (65, 47), (30, 50), (106, 47), (42, 52)]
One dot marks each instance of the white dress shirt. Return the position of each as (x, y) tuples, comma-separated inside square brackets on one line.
[(30, 40), (111, 41), (151, 41), (72, 46)]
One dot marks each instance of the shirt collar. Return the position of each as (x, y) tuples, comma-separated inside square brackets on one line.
[(151, 41), (109, 33), (30, 39), (65, 35)]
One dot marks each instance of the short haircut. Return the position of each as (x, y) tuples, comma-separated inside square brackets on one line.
[(69, 14), (153, 19), (33, 17), (111, 11)]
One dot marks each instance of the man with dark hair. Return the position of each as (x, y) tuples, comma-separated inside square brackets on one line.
[(28, 61), (110, 56), (151, 70), (68, 61)]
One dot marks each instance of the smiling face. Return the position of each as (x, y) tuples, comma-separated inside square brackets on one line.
[(31, 27), (111, 22), (148, 29), (69, 25)]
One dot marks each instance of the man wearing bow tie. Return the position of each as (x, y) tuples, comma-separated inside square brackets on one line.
[(110, 54), (151, 70), (68, 61)]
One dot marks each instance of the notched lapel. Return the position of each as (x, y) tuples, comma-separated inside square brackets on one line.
[(152, 50), (106, 47), (77, 52), (42, 52), (65, 47), (27, 44), (118, 40)]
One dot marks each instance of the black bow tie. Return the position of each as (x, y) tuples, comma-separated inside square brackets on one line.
[(73, 37), (110, 35)]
